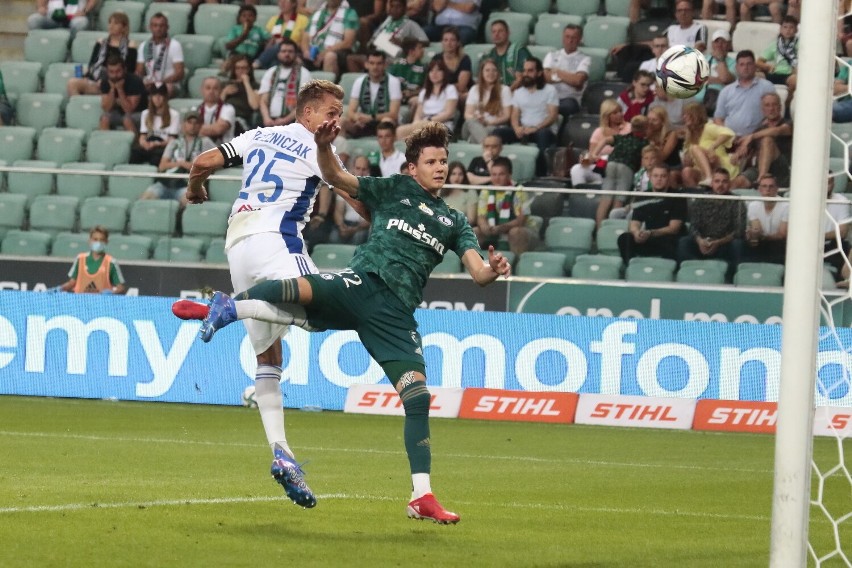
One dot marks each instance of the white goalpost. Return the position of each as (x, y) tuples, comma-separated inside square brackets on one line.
[(791, 502)]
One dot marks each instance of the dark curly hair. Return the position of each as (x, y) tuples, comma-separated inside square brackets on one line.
[(430, 135)]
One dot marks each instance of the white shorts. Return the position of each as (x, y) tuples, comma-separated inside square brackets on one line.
[(256, 258)]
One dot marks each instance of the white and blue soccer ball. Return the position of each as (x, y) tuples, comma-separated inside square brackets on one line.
[(248, 398), (682, 71)]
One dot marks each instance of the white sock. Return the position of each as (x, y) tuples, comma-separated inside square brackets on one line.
[(270, 403), (264, 311), (420, 485)]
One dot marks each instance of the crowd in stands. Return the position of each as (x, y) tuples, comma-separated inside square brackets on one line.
[(585, 99)]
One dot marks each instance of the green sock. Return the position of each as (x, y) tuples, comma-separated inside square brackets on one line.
[(272, 291), (416, 400)]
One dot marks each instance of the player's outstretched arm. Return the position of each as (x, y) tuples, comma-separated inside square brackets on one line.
[(330, 167), (485, 273), (202, 168)]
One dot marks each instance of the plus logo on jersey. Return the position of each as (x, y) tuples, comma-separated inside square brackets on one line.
[(419, 234)]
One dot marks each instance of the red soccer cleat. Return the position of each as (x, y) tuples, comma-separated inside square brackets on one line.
[(427, 507), (189, 310)]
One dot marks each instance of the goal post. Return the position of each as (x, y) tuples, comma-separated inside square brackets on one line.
[(811, 140)]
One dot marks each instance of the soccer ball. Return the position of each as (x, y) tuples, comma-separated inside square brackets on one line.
[(682, 71), (249, 400)]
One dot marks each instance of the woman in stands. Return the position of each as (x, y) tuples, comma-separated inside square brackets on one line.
[(666, 140), (705, 146), (437, 102), (591, 167), (241, 92), (456, 62), (464, 200), (489, 104), (118, 41), (159, 124)]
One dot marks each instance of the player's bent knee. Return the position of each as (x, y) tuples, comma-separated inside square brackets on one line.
[(404, 373)]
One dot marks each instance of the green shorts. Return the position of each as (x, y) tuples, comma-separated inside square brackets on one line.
[(361, 301)]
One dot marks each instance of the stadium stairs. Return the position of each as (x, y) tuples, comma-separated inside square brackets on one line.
[(13, 28)]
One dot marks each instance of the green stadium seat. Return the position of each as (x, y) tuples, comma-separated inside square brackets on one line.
[(134, 11), (578, 7), (476, 51), (597, 67), (841, 138), (61, 145), (451, 264), (329, 256), (69, 245), (81, 186), (109, 147), (549, 27), (130, 187), (510, 257), (520, 24), (31, 184), (16, 143), (216, 19), (597, 267), (608, 233), (264, 12), (38, 110), (216, 252), (56, 79), (539, 51), (709, 271), (130, 247), (110, 212), (184, 249), (206, 221), (759, 274), (324, 75), (596, 92), (533, 7), (541, 264), (13, 210), (647, 29), (571, 237), (463, 152), (26, 243), (83, 44), (53, 213), (605, 31), (178, 15), (83, 112), (153, 217), (184, 105), (617, 7), (222, 190), (523, 161), (197, 51), (578, 131), (20, 76), (46, 46), (650, 269), (346, 82), (193, 85)]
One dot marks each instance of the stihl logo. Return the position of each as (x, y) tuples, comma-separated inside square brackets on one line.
[(840, 421), (747, 416), (516, 405), (383, 399), (372, 399), (493, 404), (735, 416), (643, 412), (635, 411)]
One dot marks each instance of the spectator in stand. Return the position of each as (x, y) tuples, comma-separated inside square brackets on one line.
[(686, 31), (714, 227), (389, 36), (288, 24), (766, 234), (535, 109), (411, 72), (836, 222), (623, 163), (117, 41), (636, 98), (709, 10), (246, 37), (7, 111), (659, 45), (370, 15), (567, 69), (641, 183), (419, 11), (479, 169), (387, 160), (218, 119), (767, 150), (160, 58), (464, 200), (280, 85), (349, 226), (780, 59), (722, 66), (330, 37), (611, 123), (95, 272), (375, 96), (503, 215), (123, 97), (159, 125), (438, 101), (71, 14), (841, 108), (457, 63), (657, 224), (508, 57), (463, 15), (241, 92), (653, 8), (666, 140), (776, 9), (738, 106), (584, 171), (705, 148), (489, 104)]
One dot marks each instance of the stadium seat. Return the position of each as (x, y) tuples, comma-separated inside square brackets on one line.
[(197, 51), (464, 152), (26, 243), (61, 145), (451, 264), (16, 143), (549, 27), (578, 130), (264, 12), (754, 36), (523, 161), (178, 15), (325, 75), (539, 51), (519, 23), (708, 271), (583, 204), (153, 217), (83, 44), (596, 92), (533, 7), (83, 112), (578, 7), (547, 204), (841, 178), (605, 31), (56, 79), (572, 237), (198, 76), (223, 190), (759, 274), (647, 30), (130, 247), (216, 252), (38, 110), (130, 187), (206, 221), (476, 51), (216, 19), (69, 245), (31, 184), (109, 147), (53, 213), (431, 51), (110, 212), (13, 209), (713, 25), (361, 146), (174, 249), (20, 76), (81, 186), (46, 46), (346, 82), (597, 267), (597, 66), (134, 11), (329, 256), (650, 269), (617, 8), (183, 105), (607, 236), (841, 139), (541, 264)]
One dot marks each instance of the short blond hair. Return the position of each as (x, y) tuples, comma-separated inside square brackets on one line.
[(314, 91)]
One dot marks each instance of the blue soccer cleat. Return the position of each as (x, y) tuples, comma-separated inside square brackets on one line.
[(291, 477), (222, 312)]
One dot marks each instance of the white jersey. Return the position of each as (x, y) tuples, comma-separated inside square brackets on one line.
[(280, 181)]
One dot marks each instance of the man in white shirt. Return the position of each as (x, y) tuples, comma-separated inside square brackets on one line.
[(658, 46), (766, 234), (687, 31), (390, 159), (217, 117), (160, 59), (568, 70), (279, 87), (375, 96)]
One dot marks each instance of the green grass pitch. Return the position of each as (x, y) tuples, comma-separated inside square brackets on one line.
[(99, 483)]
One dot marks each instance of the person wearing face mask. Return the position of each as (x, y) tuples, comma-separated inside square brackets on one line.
[(95, 272)]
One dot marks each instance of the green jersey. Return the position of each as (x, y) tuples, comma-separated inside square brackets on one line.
[(411, 232)]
